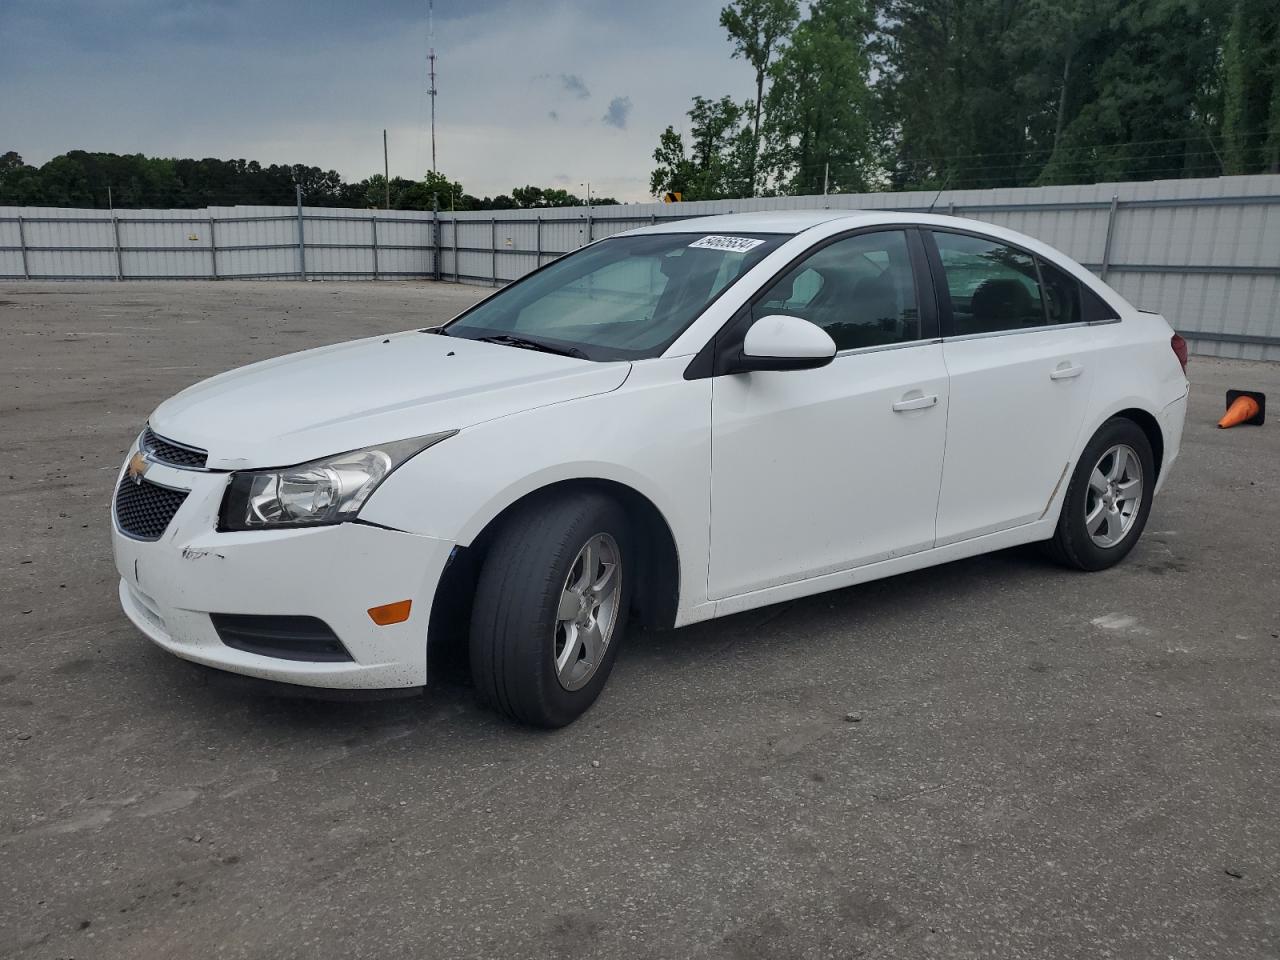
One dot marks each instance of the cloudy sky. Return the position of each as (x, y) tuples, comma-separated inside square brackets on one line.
[(550, 92)]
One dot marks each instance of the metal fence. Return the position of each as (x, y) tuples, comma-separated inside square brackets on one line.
[(1205, 253)]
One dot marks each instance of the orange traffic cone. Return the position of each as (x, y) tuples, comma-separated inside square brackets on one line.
[(1244, 406)]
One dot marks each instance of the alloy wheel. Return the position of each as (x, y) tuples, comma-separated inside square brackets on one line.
[(1114, 497), (588, 611)]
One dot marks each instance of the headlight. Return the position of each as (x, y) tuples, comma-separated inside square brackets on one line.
[(326, 491)]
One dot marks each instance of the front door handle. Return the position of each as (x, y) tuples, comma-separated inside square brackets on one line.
[(1065, 371), (918, 402)]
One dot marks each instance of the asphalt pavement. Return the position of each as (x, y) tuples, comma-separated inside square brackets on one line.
[(994, 758)]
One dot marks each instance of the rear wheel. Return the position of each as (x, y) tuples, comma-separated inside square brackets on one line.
[(550, 609), (1108, 499)]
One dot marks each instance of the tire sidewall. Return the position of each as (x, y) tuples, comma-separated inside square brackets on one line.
[(566, 705), (1072, 531), (526, 648)]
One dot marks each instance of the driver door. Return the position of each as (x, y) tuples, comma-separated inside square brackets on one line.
[(818, 471)]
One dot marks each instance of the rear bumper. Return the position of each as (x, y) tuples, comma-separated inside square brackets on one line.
[(1171, 420), (169, 588)]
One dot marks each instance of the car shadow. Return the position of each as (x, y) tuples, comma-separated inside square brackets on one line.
[(449, 698)]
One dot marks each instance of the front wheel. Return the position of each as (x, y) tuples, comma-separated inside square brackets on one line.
[(1108, 499), (550, 609)]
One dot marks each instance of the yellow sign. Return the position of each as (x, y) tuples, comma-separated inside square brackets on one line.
[(672, 196)]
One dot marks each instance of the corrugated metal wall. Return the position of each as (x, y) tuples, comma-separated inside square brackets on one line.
[(1205, 253)]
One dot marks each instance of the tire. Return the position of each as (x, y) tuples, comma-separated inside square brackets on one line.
[(518, 635), (1119, 451)]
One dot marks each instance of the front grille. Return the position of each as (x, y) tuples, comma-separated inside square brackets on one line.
[(143, 510), (174, 454), (283, 637)]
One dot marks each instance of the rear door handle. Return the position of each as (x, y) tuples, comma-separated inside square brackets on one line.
[(1065, 371), (914, 403)]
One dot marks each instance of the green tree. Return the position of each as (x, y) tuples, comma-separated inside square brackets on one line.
[(756, 28), (961, 90), (19, 182), (675, 171), (817, 112), (1251, 88), (720, 161), (1152, 105)]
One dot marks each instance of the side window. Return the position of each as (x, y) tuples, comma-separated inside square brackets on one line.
[(993, 287), (860, 290), (1061, 293)]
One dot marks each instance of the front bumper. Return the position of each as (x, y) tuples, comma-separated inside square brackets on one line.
[(170, 586)]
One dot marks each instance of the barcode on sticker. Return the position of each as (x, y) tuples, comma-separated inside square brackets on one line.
[(728, 244)]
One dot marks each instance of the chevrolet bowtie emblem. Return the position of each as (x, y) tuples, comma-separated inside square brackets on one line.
[(137, 468)]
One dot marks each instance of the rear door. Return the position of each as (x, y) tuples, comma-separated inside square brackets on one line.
[(1019, 357)]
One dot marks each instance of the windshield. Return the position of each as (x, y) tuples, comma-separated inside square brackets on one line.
[(625, 298)]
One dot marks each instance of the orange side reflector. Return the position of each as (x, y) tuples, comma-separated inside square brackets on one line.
[(390, 613)]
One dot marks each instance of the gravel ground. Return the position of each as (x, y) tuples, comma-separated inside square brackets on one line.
[(995, 758)]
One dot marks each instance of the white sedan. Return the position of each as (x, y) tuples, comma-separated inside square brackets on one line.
[(672, 424)]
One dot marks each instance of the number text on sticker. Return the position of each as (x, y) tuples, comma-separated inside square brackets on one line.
[(728, 244)]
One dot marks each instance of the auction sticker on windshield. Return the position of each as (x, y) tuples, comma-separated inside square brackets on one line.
[(729, 244)]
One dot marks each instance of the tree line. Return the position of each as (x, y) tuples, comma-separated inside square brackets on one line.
[(858, 95), (133, 181)]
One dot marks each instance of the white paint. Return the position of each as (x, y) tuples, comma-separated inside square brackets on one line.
[(788, 337), (1114, 621), (773, 485)]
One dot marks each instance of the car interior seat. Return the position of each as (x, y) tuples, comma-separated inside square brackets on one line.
[(999, 304)]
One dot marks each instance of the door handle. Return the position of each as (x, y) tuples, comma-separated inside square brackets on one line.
[(1065, 371), (914, 403)]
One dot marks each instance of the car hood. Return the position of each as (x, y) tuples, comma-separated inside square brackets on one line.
[(333, 399)]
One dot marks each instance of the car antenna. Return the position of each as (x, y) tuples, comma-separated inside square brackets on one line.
[(939, 193)]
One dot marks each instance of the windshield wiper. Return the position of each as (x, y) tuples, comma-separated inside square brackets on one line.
[(524, 343)]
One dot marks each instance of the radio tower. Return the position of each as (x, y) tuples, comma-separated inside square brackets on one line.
[(431, 74)]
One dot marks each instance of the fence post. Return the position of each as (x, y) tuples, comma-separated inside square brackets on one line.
[(22, 242), (454, 224), (653, 219), (951, 209), (538, 243), (588, 223), (115, 234), (1106, 246), (435, 238), (493, 249), (302, 243), (373, 227), (213, 250)]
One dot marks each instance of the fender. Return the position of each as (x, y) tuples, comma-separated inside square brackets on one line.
[(651, 435)]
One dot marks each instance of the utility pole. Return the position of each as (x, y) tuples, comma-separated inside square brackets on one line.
[(431, 74), (386, 173)]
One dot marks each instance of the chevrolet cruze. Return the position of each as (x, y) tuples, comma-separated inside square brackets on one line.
[(668, 425)]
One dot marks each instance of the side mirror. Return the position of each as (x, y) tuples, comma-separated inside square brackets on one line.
[(780, 342)]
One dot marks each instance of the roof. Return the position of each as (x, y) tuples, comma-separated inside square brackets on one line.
[(764, 221)]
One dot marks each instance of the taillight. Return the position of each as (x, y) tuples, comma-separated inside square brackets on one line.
[(1179, 349)]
